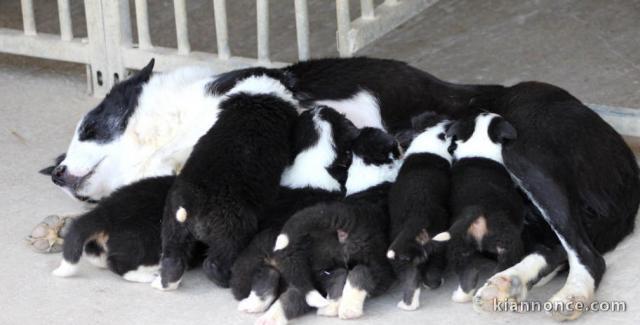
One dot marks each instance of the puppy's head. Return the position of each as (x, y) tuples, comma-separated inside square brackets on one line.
[(481, 136), (428, 135), (89, 164)]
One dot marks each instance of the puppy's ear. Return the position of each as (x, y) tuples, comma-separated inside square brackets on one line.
[(455, 129), (351, 131), (405, 138), (47, 171), (424, 120), (501, 131)]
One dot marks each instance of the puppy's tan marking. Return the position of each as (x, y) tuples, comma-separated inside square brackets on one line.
[(478, 228), (423, 237)]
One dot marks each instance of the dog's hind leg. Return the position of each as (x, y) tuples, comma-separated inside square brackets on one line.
[(177, 246), (410, 278), (264, 290), (360, 282), (289, 305), (433, 270), (333, 283)]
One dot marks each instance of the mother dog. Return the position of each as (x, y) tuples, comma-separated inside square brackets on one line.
[(571, 164)]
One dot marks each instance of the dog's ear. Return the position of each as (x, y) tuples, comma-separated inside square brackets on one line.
[(425, 120), (501, 131), (405, 138), (145, 73), (47, 170), (454, 129)]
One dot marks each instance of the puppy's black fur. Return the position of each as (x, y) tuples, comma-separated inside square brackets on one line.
[(487, 208), (418, 206), (334, 244), (253, 270), (232, 173), (124, 226)]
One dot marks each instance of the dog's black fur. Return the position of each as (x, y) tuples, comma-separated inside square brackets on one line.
[(125, 226), (418, 206), (232, 173), (331, 244), (487, 208), (252, 270)]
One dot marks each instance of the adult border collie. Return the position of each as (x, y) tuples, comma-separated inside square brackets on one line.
[(574, 167)]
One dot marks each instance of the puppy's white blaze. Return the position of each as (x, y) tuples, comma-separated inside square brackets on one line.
[(362, 109), (352, 302), (157, 284), (66, 269), (480, 144), (181, 215), (429, 142), (309, 169), (274, 316), (415, 302), (460, 296), (263, 85), (315, 299), (143, 274), (441, 237), (254, 303), (281, 242), (362, 176), (391, 254)]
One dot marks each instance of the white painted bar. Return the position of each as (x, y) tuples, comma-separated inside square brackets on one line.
[(28, 18), (46, 46), (262, 8), (625, 120), (182, 30), (344, 25), (142, 23), (302, 29), (222, 34), (64, 14), (367, 9)]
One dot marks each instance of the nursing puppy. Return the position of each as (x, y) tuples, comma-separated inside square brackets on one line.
[(321, 146), (487, 208), (418, 206), (122, 232), (232, 173), (341, 246)]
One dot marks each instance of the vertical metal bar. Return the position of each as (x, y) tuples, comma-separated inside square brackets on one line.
[(367, 9), (142, 22), (302, 29), (64, 14), (182, 30), (28, 19), (344, 25), (222, 34), (262, 7)]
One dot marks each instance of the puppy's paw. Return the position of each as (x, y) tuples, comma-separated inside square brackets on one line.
[(460, 296), (498, 289), (47, 236), (65, 269), (414, 302), (274, 316), (157, 284), (216, 274), (254, 303), (330, 310), (569, 304)]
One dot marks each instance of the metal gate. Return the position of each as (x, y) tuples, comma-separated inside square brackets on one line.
[(108, 51)]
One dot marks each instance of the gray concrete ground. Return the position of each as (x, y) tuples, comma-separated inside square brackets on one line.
[(589, 47)]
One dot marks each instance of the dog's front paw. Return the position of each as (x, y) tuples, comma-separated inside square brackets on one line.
[(498, 289), (157, 284), (216, 274), (274, 316)]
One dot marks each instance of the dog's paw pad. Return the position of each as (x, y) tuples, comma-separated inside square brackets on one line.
[(47, 236)]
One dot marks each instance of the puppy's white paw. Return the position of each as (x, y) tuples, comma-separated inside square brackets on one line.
[(157, 284), (499, 288), (330, 310), (254, 304), (352, 302), (274, 316), (415, 302), (65, 269), (315, 299), (460, 296)]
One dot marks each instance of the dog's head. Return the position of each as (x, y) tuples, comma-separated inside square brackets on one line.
[(482, 136), (427, 135), (88, 168)]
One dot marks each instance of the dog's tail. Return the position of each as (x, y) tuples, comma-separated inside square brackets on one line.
[(323, 217), (89, 227)]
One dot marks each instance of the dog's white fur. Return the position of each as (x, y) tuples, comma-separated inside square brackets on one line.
[(429, 142), (480, 144), (362, 176), (362, 109)]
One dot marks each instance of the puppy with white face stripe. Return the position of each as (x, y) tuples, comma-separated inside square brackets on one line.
[(418, 206), (487, 209)]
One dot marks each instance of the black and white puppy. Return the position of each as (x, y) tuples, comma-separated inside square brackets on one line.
[(341, 246), (418, 206), (122, 232), (487, 208), (231, 175), (321, 144)]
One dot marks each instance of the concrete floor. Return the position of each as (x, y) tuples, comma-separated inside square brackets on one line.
[(583, 46)]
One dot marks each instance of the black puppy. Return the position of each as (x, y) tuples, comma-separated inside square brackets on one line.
[(232, 173), (341, 246), (122, 232), (321, 145), (418, 206), (487, 208)]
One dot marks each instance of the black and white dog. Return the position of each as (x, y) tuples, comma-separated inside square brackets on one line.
[(418, 206), (322, 144), (344, 241), (230, 177), (487, 208), (575, 168)]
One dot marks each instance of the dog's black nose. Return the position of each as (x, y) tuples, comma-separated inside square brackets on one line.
[(58, 175)]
